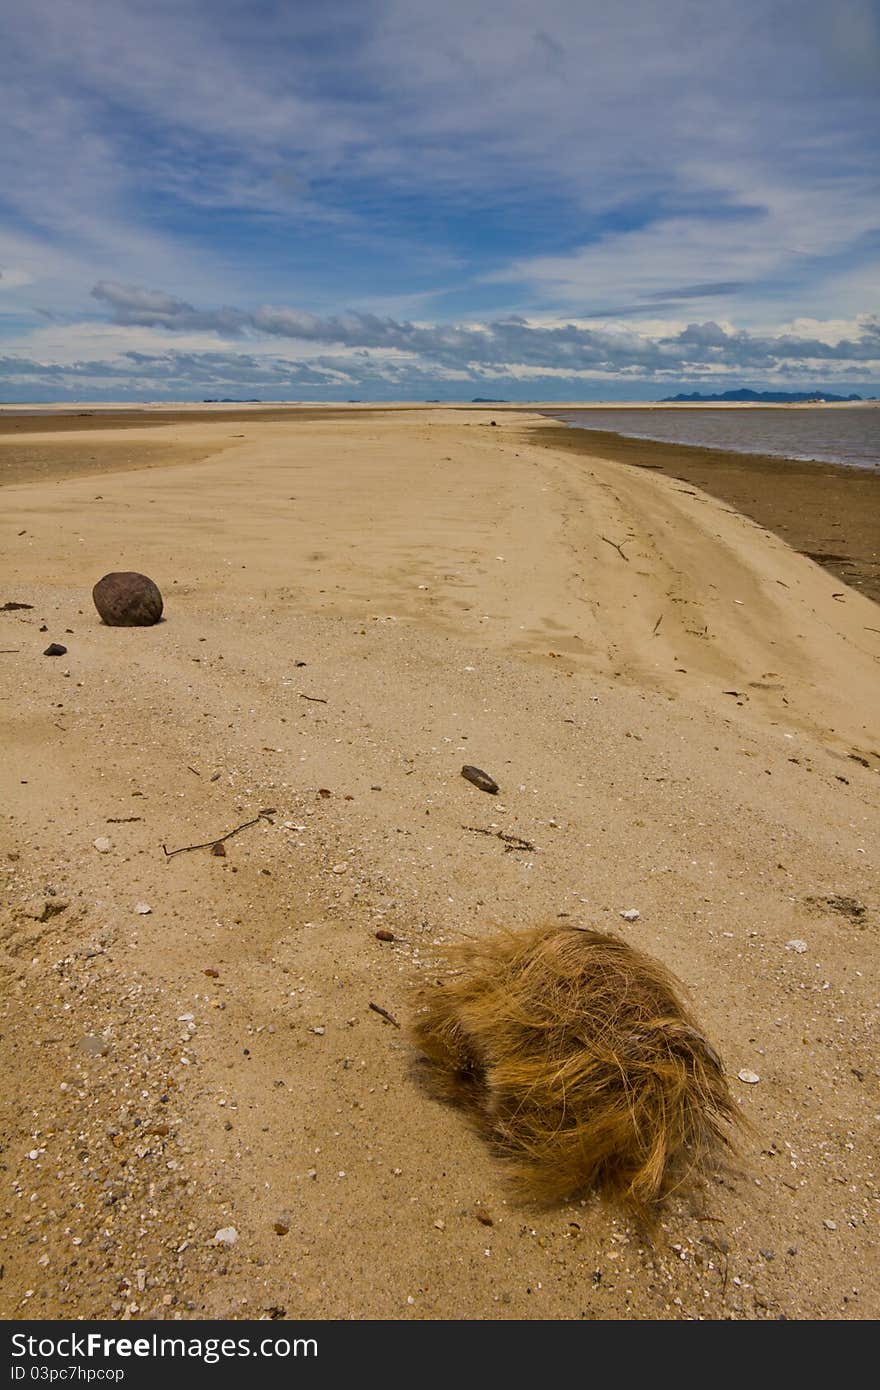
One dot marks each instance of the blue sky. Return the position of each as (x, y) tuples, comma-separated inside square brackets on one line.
[(401, 199)]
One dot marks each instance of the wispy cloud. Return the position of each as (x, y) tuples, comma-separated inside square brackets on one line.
[(487, 163)]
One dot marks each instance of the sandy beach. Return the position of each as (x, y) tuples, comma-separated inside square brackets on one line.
[(681, 711)]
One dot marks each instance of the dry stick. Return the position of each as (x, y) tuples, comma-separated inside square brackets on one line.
[(315, 699), (6, 651), (615, 547), (511, 841), (217, 841), (377, 1009), (192, 769), (656, 628)]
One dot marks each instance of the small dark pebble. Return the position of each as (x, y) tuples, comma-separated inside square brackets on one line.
[(384, 935), (219, 850), (483, 1216), (55, 649), (480, 779)]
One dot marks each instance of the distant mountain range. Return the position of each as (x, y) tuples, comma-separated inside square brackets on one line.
[(762, 397)]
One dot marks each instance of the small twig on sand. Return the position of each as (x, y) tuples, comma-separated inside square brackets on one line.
[(122, 820), (218, 839), (315, 699), (7, 650), (510, 841), (616, 547), (656, 628), (192, 769), (377, 1009)]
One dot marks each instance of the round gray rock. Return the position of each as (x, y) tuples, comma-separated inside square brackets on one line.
[(127, 599)]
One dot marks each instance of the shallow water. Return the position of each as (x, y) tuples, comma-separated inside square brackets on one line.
[(850, 436)]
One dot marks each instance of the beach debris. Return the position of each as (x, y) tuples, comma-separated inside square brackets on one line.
[(796, 944), (511, 842), (281, 1224), (216, 846), (12, 606), (211, 973), (143, 908), (127, 599), (631, 914), (615, 546), (218, 850), (383, 935), (837, 902), (383, 1013), (656, 628), (574, 1053), (483, 1216), (829, 1224), (315, 699), (45, 908), (103, 844), (55, 649), (227, 1235), (480, 779), (751, 1078)]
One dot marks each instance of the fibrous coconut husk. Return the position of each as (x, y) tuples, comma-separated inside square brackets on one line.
[(575, 1055)]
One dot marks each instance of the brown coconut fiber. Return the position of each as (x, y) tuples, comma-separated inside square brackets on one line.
[(575, 1055)]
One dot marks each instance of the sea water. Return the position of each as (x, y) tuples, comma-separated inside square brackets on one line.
[(849, 436)]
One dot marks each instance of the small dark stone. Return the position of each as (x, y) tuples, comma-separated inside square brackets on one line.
[(480, 779), (12, 606), (127, 599), (55, 649)]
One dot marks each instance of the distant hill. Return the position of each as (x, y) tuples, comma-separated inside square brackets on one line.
[(761, 397)]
